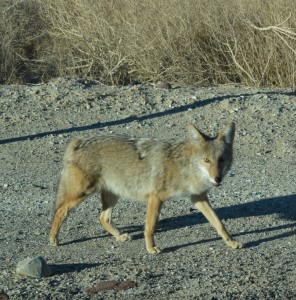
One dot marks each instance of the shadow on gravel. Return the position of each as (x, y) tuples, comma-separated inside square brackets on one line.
[(291, 227), (130, 119), (81, 240), (284, 207), (70, 268)]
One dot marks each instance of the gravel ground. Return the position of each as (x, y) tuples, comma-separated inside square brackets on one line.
[(257, 201)]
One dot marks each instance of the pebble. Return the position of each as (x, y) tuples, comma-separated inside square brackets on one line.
[(34, 267)]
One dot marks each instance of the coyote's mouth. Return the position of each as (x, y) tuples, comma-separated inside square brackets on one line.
[(216, 184)]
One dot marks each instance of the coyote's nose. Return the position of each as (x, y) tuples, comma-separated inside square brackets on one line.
[(217, 179)]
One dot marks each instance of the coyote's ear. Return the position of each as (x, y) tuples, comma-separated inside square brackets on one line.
[(195, 135), (227, 133)]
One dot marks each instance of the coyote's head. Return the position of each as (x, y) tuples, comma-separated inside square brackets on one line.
[(212, 157)]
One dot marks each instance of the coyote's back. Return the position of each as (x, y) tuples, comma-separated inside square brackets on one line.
[(122, 165), (141, 169)]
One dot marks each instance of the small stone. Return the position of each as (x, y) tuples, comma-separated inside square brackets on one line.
[(164, 85), (33, 267)]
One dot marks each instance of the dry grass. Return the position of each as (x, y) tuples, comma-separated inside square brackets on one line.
[(118, 41)]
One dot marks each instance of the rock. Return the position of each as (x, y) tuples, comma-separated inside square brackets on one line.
[(34, 267)]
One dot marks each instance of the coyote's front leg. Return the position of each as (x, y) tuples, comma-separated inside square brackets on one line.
[(202, 203)]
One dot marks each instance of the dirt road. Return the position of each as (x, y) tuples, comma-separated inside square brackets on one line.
[(257, 201)]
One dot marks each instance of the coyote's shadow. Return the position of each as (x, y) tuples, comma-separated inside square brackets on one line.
[(71, 268), (284, 207)]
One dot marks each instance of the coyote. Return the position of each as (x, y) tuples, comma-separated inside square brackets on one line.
[(147, 170)]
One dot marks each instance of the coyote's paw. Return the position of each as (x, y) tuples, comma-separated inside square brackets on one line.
[(53, 241), (154, 250), (123, 237), (234, 244)]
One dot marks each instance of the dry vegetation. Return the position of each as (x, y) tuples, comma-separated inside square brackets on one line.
[(118, 41)]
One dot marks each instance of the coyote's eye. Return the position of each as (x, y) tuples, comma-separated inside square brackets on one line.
[(206, 160)]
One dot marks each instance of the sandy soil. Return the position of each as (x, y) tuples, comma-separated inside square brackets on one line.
[(257, 201)]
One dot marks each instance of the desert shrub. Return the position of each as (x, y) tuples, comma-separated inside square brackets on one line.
[(118, 41)]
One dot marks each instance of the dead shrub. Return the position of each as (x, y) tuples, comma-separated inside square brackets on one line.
[(118, 41)]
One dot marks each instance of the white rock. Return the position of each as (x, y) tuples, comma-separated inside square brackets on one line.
[(33, 267)]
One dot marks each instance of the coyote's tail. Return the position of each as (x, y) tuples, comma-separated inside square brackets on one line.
[(73, 145), (63, 186)]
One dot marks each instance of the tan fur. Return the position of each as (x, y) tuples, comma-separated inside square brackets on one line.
[(147, 170)]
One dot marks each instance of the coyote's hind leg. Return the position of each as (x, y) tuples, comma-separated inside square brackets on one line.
[(74, 187), (109, 200)]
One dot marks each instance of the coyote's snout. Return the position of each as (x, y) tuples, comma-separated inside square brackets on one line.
[(144, 169)]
